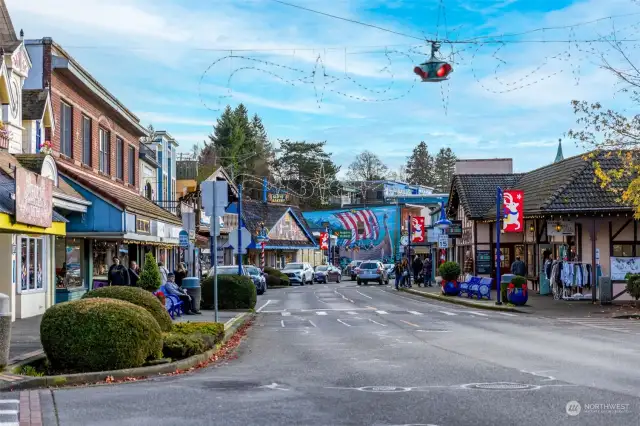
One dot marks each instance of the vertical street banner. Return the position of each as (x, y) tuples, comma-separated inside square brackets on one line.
[(513, 207), (417, 229), (324, 241)]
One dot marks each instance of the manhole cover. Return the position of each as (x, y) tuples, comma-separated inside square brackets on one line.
[(383, 389), (501, 386)]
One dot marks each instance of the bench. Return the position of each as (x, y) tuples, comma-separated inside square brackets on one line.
[(464, 286), (172, 304), (481, 289)]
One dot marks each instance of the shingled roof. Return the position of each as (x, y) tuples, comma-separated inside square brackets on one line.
[(34, 102), (8, 39), (476, 192), (33, 162)]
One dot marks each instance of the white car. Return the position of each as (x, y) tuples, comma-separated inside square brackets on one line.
[(299, 273)]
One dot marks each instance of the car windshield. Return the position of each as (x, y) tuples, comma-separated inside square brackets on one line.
[(227, 270), (252, 270), (369, 266), (322, 268), (294, 266)]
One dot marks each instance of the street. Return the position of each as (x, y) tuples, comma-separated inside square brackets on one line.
[(341, 354)]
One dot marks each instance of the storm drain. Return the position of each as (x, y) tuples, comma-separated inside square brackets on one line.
[(503, 386)]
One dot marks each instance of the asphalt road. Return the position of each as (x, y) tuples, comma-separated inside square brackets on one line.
[(339, 354)]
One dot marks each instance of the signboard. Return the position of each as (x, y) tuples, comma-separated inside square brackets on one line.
[(513, 220), (621, 266), (560, 228), (143, 226), (184, 239), (417, 229), (34, 205), (246, 238), (484, 263), (324, 241), (214, 207), (443, 241), (192, 235), (345, 235), (455, 229), (279, 198)]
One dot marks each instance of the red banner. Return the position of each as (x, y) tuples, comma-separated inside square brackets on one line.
[(513, 207), (417, 229), (324, 241)]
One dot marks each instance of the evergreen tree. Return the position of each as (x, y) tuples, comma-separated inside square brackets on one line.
[(444, 165), (420, 166), (150, 278)]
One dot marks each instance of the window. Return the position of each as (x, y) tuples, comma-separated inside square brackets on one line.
[(68, 259), (66, 124), (31, 263), (119, 158), (622, 250), (147, 191), (86, 140), (38, 137), (132, 165), (164, 187), (105, 149)]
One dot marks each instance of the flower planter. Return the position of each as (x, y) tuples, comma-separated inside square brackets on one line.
[(517, 296), (450, 288)]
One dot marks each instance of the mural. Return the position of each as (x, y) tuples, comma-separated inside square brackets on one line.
[(363, 233), (287, 229)]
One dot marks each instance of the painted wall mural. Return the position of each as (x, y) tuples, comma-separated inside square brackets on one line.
[(363, 233), (287, 229)]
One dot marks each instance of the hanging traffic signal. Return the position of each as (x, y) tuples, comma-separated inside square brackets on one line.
[(434, 70)]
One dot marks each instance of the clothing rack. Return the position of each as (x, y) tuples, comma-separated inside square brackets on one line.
[(568, 278)]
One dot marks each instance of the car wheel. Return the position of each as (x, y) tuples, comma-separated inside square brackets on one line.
[(261, 292)]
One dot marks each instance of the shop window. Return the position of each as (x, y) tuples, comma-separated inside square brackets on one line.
[(622, 250), (103, 254), (31, 263), (69, 253)]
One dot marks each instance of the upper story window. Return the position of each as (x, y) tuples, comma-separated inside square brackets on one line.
[(105, 149), (86, 140), (132, 165), (38, 137), (66, 129), (120, 158)]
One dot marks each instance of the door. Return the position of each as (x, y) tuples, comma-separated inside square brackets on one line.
[(506, 254)]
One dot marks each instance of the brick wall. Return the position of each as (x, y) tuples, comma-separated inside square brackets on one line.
[(63, 89)]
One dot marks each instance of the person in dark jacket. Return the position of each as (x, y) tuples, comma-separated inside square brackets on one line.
[(118, 274), (397, 270), (518, 267), (417, 269), (181, 273), (134, 274), (427, 267)]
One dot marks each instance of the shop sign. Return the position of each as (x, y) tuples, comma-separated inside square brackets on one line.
[(483, 262), (324, 241), (279, 198), (345, 235), (34, 204), (455, 229), (160, 229), (621, 266), (513, 207), (184, 239), (561, 228), (143, 226)]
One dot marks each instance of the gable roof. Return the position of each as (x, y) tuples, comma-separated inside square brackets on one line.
[(8, 39), (256, 212), (477, 192), (34, 163), (34, 102)]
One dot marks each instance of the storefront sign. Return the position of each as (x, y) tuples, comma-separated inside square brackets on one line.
[(417, 229), (345, 235), (143, 226), (34, 204), (621, 266), (278, 198), (560, 228), (513, 220), (483, 262), (455, 229), (324, 241), (160, 229), (184, 239)]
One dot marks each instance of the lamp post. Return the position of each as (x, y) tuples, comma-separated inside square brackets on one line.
[(262, 239), (443, 223), (499, 200)]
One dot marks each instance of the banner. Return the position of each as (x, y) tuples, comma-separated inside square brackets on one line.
[(324, 241), (417, 229), (513, 200)]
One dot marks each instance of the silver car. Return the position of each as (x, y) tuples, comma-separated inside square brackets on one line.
[(372, 271)]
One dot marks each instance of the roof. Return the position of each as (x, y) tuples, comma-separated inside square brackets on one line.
[(34, 162), (8, 39), (117, 194), (559, 155), (33, 103), (256, 212), (476, 192)]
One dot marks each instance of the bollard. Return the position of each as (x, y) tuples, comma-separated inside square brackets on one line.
[(192, 286), (5, 329)]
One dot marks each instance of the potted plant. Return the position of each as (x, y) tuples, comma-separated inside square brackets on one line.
[(517, 291), (633, 285), (450, 271)]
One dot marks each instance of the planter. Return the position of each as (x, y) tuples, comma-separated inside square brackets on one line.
[(517, 296), (450, 288)]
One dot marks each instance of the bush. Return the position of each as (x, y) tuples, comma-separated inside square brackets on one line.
[(211, 333), (633, 285), (234, 292), (518, 281), (449, 271), (150, 278), (273, 281), (273, 272), (99, 334), (284, 280), (179, 346), (138, 297)]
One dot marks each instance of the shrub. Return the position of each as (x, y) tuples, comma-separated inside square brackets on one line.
[(211, 333), (273, 272), (234, 292), (179, 346), (138, 297), (449, 271), (273, 281), (633, 285), (150, 278), (518, 281), (284, 280), (99, 334)]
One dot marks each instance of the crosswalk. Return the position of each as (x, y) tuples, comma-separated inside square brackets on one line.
[(358, 311), (9, 412), (629, 326)]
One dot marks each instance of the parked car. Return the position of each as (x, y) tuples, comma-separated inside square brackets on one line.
[(372, 271), (390, 267), (326, 273), (299, 273), (258, 278), (352, 269), (259, 281)]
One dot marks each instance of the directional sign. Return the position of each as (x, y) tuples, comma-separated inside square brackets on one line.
[(243, 251), (233, 238), (443, 241), (345, 235), (183, 238)]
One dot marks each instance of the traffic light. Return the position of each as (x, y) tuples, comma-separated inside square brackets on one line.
[(434, 70)]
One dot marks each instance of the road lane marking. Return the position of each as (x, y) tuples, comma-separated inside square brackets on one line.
[(478, 313), (376, 322), (410, 323), (435, 331), (282, 323), (311, 322), (362, 294), (318, 297), (414, 313), (263, 306), (342, 322), (286, 314), (351, 313), (382, 312), (321, 313), (448, 313), (507, 314)]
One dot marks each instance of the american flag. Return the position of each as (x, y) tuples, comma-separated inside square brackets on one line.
[(365, 219)]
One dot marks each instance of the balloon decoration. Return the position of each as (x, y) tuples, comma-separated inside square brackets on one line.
[(434, 70)]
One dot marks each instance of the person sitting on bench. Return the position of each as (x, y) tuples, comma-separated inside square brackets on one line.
[(174, 290)]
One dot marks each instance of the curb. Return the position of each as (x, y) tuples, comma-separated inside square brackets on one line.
[(459, 301), (230, 327)]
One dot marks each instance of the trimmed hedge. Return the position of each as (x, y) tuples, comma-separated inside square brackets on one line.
[(234, 292), (273, 281), (180, 346), (273, 272), (99, 334), (211, 333), (138, 297), (449, 271)]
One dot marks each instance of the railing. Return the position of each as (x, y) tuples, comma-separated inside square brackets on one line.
[(148, 152), (172, 206)]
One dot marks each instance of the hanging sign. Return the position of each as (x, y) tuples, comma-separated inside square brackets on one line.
[(33, 199), (279, 198), (324, 241), (345, 235), (558, 229), (455, 229), (513, 200), (183, 239), (417, 229)]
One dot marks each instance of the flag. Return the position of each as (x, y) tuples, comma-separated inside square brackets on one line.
[(324, 241), (417, 229), (513, 202)]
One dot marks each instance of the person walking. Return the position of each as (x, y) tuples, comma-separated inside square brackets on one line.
[(118, 274), (426, 271), (397, 269), (406, 277), (164, 273), (134, 274), (181, 273), (417, 269), (519, 267)]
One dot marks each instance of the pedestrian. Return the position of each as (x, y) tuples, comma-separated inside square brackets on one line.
[(134, 274), (181, 273), (163, 272), (426, 271), (406, 277), (117, 274), (417, 269), (174, 290), (397, 269), (518, 267)]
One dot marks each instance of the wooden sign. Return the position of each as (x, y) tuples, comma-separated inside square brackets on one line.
[(280, 198), (34, 205), (143, 226)]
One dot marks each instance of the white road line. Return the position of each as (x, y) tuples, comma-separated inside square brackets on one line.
[(8, 412), (9, 424), (382, 312), (415, 313), (286, 314), (435, 331), (507, 314), (352, 313), (282, 323), (317, 297), (410, 323), (321, 313), (342, 322), (478, 313), (448, 313), (376, 322), (362, 294), (311, 322), (263, 306), (9, 401)]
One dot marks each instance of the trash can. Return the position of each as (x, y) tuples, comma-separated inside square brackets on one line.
[(606, 290), (192, 286), (5, 329), (504, 282)]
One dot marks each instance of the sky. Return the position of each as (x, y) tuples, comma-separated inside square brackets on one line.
[(177, 63)]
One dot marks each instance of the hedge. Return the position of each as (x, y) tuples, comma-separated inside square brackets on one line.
[(99, 334), (273, 272), (234, 292), (211, 333), (138, 297), (179, 346), (273, 281)]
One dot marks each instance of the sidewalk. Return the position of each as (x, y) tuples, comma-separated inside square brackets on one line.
[(538, 305)]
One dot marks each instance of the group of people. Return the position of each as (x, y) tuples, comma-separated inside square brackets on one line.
[(119, 275), (419, 269)]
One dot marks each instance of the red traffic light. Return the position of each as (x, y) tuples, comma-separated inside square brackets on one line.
[(444, 70), (420, 72)]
